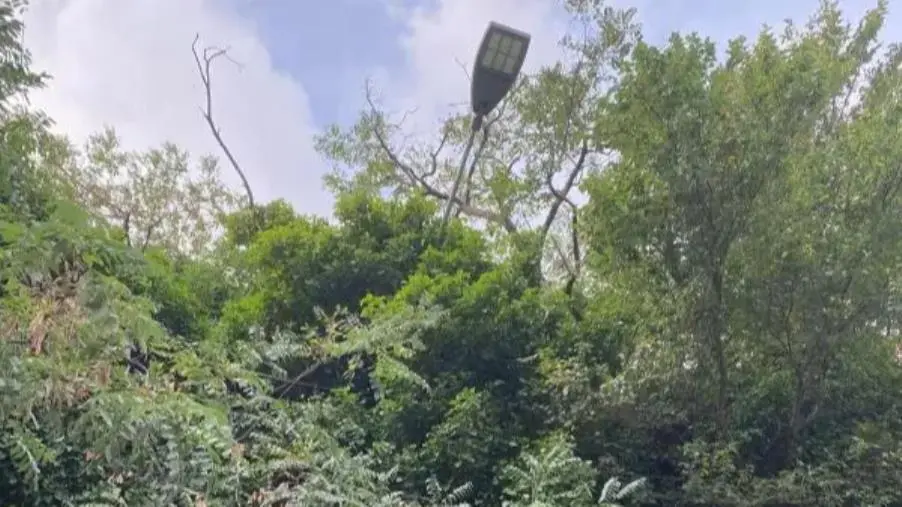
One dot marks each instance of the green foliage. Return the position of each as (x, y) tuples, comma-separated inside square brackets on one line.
[(719, 323), (549, 475)]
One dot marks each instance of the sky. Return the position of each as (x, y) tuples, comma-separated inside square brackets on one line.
[(301, 65)]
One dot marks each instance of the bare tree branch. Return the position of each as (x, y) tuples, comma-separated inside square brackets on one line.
[(463, 68), (204, 62), (433, 168), (420, 180), (561, 196), (579, 93), (298, 379)]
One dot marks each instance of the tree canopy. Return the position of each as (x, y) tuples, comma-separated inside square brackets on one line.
[(673, 279)]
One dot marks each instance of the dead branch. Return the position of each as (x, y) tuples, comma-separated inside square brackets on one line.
[(204, 62), (433, 168), (299, 378), (463, 68), (420, 181)]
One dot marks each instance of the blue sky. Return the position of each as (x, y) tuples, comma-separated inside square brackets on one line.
[(127, 64), (302, 40)]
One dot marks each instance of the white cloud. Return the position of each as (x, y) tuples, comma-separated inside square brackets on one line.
[(439, 32), (128, 64), (440, 43), (440, 36)]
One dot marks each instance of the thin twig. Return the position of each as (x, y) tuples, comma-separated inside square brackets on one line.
[(204, 62), (420, 180)]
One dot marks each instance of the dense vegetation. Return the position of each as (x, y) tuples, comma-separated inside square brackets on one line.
[(714, 314)]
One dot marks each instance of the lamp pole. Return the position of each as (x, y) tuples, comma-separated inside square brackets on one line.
[(498, 63)]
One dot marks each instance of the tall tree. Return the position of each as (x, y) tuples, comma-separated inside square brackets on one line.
[(156, 196), (752, 223), (532, 154)]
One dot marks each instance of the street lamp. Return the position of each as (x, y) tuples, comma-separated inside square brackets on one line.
[(498, 63)]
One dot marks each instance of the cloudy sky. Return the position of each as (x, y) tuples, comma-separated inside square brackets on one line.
[(128, 64)]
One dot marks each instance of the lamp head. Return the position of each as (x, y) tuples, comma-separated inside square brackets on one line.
[(497, 66)]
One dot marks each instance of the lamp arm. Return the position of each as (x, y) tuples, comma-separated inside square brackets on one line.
[(475, 127)]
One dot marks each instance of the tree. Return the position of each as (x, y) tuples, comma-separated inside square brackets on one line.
[(725, 331), (153, 195), (749, 219), (23, 189), (531, 156)]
